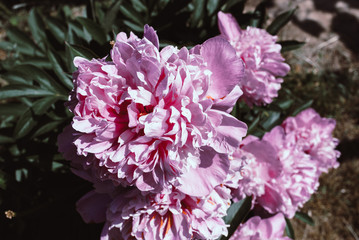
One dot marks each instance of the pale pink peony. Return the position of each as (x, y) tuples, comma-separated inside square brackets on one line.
[(312, 135), (132, 214), (282, 170), (263, 62), (151, 117), (260, 229), (252, 167)]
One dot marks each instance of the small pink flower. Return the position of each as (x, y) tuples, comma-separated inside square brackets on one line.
[(151, 117), (259, 229), (134, 214), (263, 62)]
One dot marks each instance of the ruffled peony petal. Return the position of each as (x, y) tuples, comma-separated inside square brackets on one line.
[(227, 69), (210, 173), (228, 25)]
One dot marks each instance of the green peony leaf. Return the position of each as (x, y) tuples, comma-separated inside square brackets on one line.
[(12, 109), (290, 45), (5, 139), (305, 105), (305, 218), (81, 51), (24, 44), (59, 70), (25, 124), (42, 105), (43, 78), (270, 119), (236, 214), (57, 28), (40, 62), (289, 229), (198, 13), (50, 126), (95, 30), (18, 90), (280, 21), (37, 27)]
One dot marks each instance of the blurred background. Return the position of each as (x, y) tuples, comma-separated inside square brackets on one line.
[(38, 194)]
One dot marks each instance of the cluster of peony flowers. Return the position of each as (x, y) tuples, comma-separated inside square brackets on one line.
[(152, 131)]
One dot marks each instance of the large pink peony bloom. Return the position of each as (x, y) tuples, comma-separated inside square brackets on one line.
[(263, 62), (151, 117), (132, 214), (259, 229)]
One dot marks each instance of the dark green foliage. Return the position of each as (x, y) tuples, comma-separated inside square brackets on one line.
[(36, 181)]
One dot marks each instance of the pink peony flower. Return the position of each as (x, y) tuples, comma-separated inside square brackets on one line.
[(151, 117), (263, 62), (259, 165), (282, 170), (132, 214), (259, 229), (312, 135)]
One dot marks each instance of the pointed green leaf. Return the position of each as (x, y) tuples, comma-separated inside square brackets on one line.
[(271, 118), (82, 51), (40, 62), (198, 13), (280, 21), (75, 31), (128, 11), (289, 229), (236, 214), (12, 109), (17, 90), (139, 6), (305, 105), (24, 43), (7, 46), (290, 45), (46, 128), (134, 27), (111, 15), (16, 78), (285, 104), (233, 4), (304, 217), (42, 105), (5, 139), (59, 70), (253, 124), (43, 78), (37, 27), (24, 125), (57, 28), (212, 6), (259, 15), (95, 30)]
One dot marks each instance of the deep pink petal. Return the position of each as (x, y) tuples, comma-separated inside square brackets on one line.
[(92, 207)]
